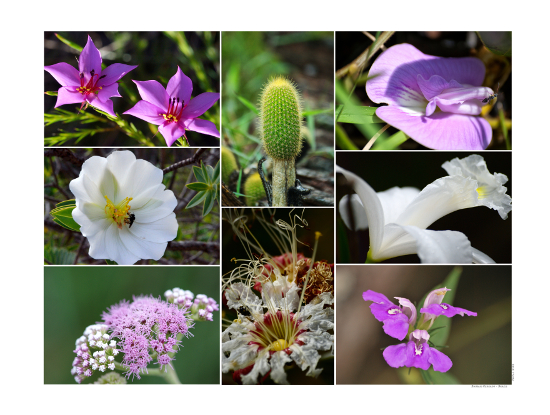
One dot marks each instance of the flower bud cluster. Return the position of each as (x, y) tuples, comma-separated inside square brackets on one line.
[(201, 307), (180, 297), (94, 351)]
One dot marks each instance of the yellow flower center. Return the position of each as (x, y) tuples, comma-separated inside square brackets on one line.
[(279, 345), (118, 213)]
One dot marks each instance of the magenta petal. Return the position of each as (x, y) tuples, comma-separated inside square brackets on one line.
[(440, 361), (396, 356), (153, 92), (114, 72), (64, 73), (396, 326), (203, 126), (446, 310), (395, 73), (68, 95), (180, 86), (379, 298), (106, 106), (148, 112), (440, 131), (107, 92), (418, 360), (171, 132), (200, 104), (90, 59)]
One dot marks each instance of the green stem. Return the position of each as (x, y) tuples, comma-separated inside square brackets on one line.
[(171, 377)]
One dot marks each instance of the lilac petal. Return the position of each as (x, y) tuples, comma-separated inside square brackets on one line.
[(440, 131), (470, 107), (90, 59), (107, 92), (68, 95), (172, 131), (114, 72), (396, 326), (434, 86), (204, 127), (446, 310), (148, 112), (64, 73), (408, 309), (440, 361), (180, 86), (396, 356), (106, 106), (153, 92), (394, 74), (436, 296), (418, 357), (200, 104), (378, 298)]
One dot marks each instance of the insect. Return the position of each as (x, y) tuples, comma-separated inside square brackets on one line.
[(244, 311), (491, 97), (130, 219)]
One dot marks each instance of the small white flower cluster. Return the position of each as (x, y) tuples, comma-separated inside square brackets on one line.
[(201, 308), (87, 359), (180, 297)]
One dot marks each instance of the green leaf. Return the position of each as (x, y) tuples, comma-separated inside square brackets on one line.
[(208, 203), (109, 262), (210, 171), (51, 93), (199, 197), (198, 186), (500, 43), (198, 174), (62, 215), (216, 177), (70, 43), (204, 173), (58, 256), (439, 378), (248, 104), (357, 114), (392, 142), (315, 112)]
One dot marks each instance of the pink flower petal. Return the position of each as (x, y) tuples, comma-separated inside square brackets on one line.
[(106, 106), (153, 92), (114, 72), (90, 59), (200, 104), (107, 92), (64, 73), (180, 86), (147, 112), (172, 131), (441, 131), (204, 127), (68, 95)]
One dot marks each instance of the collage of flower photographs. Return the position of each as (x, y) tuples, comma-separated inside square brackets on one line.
[(260, 208)]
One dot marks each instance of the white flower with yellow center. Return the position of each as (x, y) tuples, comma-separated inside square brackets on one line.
[(123, 208), (397, 218), (270, 333)]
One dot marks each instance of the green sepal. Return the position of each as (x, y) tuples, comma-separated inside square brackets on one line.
[(62, 215)]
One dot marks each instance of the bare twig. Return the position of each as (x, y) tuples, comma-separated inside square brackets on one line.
[(211, 247), (65, 154), (80, 248), (185, 162)]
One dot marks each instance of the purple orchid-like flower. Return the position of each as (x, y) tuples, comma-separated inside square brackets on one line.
[(435, 101), (173, 109), (434, 307), (417, 353), (396, 319), (89, 84)]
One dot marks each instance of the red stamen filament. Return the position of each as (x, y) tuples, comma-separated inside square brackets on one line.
[(173, 114), (91, 87)]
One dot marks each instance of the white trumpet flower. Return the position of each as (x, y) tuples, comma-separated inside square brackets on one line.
[(397, 218)]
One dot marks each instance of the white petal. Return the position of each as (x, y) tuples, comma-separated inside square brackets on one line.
[(144, 249), (373, 207), (261, 367), (120, 164), (357, 210), (162, 230), (278, 361), (441, 247), (395, 200), (481, 258), (115, 249), (141, 181), (492, 193), (438, 199), (161, 204)]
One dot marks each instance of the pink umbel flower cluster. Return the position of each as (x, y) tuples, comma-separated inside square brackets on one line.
[(94, 351), (147, 324)]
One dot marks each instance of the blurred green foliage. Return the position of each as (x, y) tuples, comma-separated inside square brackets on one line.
[(76, 297)]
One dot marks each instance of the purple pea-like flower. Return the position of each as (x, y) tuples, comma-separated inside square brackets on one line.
[(434, 307), (396, 319), (89, 84), (173, 109), (417, 353), (435, 101)]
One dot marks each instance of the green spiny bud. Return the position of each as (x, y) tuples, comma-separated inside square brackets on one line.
[(281, 119), (254, 189), (229, 164)]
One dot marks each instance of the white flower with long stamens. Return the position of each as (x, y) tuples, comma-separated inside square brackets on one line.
[(397, 218), (123, 208), (271, 332)]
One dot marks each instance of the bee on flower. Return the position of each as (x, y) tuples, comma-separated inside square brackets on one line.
[(282, 304)]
